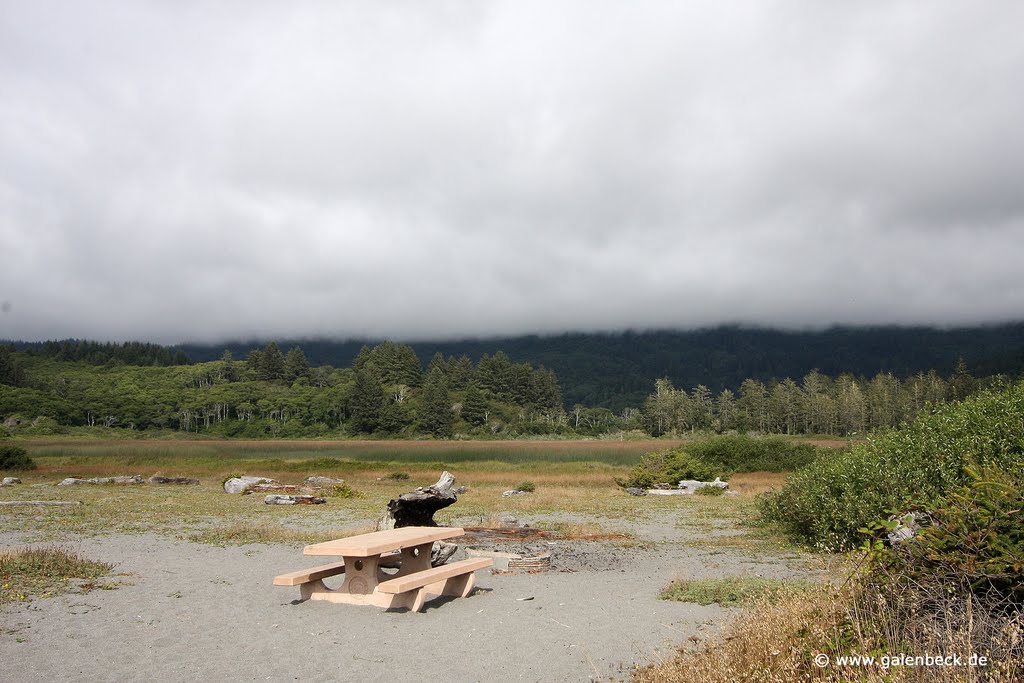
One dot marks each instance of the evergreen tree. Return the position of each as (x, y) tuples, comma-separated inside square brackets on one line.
[(366, 403), (295, 365), (436, 406), (474, 406), (271, 367)]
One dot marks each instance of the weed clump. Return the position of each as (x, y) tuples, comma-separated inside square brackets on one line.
[(40, 572)]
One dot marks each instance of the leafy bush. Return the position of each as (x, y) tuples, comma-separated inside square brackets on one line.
[(526, 487), (398, 476), (15, 458), (341, 491), (825, 503), (710, 491), (670, 466), (749, 454), (975, 539)]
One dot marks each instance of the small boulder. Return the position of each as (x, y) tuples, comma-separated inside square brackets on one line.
[(636, 491), (8, 481), (243, 484), (513, 492)]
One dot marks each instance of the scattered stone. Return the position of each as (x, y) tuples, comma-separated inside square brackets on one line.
[(133, 479), (243, 484), (514, 492), (293, 500), (459, 490), (178, 481), (636, 491), (8, 481), (323, 482)]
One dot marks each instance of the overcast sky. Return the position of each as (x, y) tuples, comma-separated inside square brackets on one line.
[(181, 170)]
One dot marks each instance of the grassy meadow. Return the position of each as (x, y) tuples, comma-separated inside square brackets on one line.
[(572, 477)]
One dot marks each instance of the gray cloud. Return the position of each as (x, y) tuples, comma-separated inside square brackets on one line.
[(175, 171)]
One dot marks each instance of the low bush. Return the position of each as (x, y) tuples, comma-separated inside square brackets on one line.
[(341, 491), (398, 476), (973, 538), (825, 503), (526, 487), (669, 466), (15, 458), (749, 454)]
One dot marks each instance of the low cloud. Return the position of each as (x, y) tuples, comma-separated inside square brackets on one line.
[(174, 172)]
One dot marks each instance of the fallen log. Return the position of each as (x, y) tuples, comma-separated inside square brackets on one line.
[(40, 502)]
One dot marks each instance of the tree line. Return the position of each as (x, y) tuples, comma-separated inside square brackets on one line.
[(388, 391), (275, 393), (818, 404)]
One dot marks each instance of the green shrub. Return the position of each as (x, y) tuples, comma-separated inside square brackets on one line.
[(710, 491), (398, 476), (749, 454), (668, 467), (825, 503), (526, 487), (974, 539), (341, 491), (15, 458)]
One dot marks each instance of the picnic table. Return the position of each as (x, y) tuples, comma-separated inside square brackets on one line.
[(367, 556)]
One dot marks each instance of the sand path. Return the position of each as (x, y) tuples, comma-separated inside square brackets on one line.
[(192, 612)]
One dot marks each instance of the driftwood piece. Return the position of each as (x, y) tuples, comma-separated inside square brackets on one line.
[(132, 479), (177, 481), (417, 508), (40, 502), (293, 500)]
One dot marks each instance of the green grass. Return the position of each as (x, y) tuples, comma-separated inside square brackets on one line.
[(733, 591), (42, 572)]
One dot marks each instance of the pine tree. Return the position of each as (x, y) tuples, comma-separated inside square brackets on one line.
[(436, 406), (271, 365), (474, 406), (295, 365), (366, 403)]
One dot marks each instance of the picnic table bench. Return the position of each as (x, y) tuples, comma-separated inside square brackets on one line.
[(366, 556)]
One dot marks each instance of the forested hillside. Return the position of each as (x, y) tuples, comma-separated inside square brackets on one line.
[(617, 371), (387, 391)]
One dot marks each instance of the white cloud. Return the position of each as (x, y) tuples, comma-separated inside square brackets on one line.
[(170, 171)]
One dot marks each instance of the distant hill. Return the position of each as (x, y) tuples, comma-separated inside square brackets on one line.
[(616, 370)]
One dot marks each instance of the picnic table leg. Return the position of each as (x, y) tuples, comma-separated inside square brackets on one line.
[(460, 585), (415, 559), (362, 574)]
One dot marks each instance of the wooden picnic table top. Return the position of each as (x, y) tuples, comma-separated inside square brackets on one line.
[(377, 542)]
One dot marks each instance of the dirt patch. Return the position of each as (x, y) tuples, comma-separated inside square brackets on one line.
[(568, 553)]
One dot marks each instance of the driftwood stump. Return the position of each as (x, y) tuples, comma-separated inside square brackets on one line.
[(417, 508)]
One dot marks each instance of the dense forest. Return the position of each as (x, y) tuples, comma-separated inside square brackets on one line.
[(617, 371), (387, 391)]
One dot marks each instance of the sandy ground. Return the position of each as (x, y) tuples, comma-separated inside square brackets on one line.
[(188, 612)]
